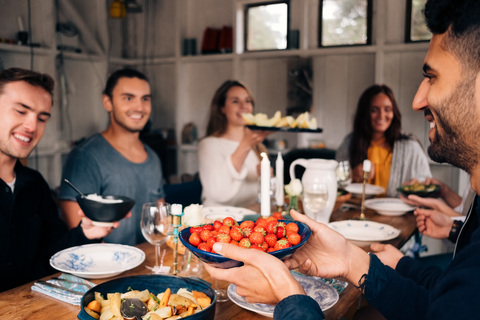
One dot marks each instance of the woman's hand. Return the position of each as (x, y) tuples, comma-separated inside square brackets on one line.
[(262, 279), (357, 173), (432, 203), (250, 139), (253, 137), (433, 223)]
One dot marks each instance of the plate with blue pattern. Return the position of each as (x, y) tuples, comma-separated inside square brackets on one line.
[(364, 230), (97, 261), (317, 288)]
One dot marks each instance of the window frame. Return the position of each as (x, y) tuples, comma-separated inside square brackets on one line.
[(247, 6), (408, 24), (369, 28)]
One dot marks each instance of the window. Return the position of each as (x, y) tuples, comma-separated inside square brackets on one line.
[(266, 26), (416, 29), (345, 22)]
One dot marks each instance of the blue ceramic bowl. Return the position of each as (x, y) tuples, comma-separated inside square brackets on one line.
[(222, 262), (155, 284)]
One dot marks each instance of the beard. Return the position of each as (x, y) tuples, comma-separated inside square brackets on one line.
[(456, 129)]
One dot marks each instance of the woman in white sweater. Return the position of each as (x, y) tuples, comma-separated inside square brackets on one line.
[(229, 154)]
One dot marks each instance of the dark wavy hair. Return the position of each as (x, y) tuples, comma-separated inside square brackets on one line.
[(33, 78), (362, 124), (217, 122), (461, 20), (117, 75)]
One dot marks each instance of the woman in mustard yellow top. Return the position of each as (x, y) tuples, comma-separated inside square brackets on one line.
[(377, 136)]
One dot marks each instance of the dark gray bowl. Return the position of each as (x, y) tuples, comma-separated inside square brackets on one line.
[(155, 284), (105, 212)]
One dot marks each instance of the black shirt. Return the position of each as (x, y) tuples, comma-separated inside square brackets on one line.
[(31, 230)]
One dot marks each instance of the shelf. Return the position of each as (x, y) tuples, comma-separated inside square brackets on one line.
[(136, 62), (26, 49), (208, 57)]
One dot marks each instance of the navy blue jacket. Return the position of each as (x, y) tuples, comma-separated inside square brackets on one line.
[(414, 291)]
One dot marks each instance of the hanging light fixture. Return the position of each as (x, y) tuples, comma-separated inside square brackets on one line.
[(118, 9)]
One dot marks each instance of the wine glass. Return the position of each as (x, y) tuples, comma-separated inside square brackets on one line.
[(155, 223), (210, 219), (343, 173)]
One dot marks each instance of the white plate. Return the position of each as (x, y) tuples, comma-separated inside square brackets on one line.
[(389, 206), (97, 261), (237, 212), (370, 189), (364, 230), (324, 294)]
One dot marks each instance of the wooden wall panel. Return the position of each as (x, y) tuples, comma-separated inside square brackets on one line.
[(338, 82)]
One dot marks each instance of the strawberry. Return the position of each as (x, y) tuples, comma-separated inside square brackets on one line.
[(208, 227), (229, 221), (294, 239), (260, 229), (224, 229), (224, 237), (205, 234), (246, 232), (204, 247), (256, 237), (236, 234), (247, 224), (261, 222), (289, 232), (271, 226), (291, 226), (282, 244), (277, 215), (264, 246), (217, 224), (194, 239), (210, 241), (271, 239), (234, 242), (270, 219), (270, 249), (245, 243), (254, 246), (280, 232), (195, 229)]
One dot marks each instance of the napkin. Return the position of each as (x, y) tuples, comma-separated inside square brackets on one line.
[(72, 283)]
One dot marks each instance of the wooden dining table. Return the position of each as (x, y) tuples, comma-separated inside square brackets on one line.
[(23, 303)]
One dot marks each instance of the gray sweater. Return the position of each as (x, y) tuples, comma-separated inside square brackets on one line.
[(409, 161)]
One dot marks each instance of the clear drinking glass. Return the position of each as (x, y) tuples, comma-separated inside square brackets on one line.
[(210, 219), (343, 173), (155, 224)]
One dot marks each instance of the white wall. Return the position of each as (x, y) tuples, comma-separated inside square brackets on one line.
[(183, 86)]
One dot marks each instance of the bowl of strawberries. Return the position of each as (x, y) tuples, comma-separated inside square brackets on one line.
[(280, 238)]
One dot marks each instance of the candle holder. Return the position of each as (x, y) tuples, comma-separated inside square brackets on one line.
[(176, 224), (293, 203)]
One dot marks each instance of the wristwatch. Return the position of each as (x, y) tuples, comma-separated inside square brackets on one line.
[(455, 230)]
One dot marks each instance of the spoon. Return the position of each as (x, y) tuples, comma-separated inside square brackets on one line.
[(133, 309), (74, 188)]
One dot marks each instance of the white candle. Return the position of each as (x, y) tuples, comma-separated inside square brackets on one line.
[(367, 165), (279, 195), (265, 186)]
